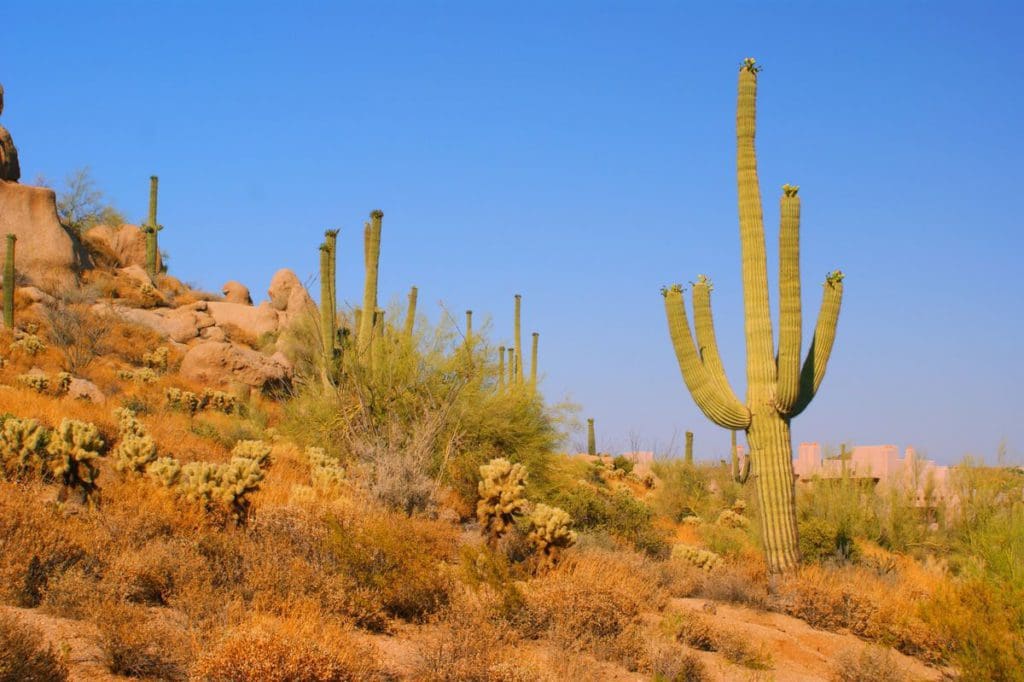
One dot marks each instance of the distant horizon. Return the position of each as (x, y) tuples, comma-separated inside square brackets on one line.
[(582, 155)]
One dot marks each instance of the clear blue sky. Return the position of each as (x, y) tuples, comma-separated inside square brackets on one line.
[(583, 155)]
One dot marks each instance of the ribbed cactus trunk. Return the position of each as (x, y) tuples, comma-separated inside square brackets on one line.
[(501, 366), (9, 282), (591, 438), (377, 342), (371, 251), (511, 366), (469, 328), (326, 312), (331, 239), (533, 360), (410, 314), (777, 388), (151, 229), (518, 330), (689, 448)]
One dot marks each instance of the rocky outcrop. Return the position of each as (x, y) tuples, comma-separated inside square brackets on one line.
[(10, 170), (253, 321), (178, 324), (126, 245), (288, 296), (236, 292), (217, 363), (45, 251), (82, 389)]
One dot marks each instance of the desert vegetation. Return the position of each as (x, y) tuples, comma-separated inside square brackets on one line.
[(366, 495)]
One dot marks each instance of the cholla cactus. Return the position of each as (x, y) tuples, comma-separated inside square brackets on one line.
[(183, 400), (225, 486), (220, 401), (550, 532), (165, 470), (324, 469), (701, 558), (731, 519), (22, 449), (75, 446), (37, 382), (501, 489), (143, 375), (255, 450), (62, 384), (30, 344), (136, 450), (157, 360)]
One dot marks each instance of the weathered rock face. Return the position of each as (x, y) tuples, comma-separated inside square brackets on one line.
[(9, 168), (218, 363), (127, 244), (255, 321), (82, 389), (45, 253), (288, 296), (236, 292), (178, 324)]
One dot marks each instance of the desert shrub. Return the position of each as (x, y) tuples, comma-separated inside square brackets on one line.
[(681, 491), (870, 664), (77, 333), (617, 513), (593, 601), (501, 489), (670, 663), (392, 562), (821, 540), (23, 657), (137, 642), (730, 543), (698, 631), (623, 464), (286, 649)]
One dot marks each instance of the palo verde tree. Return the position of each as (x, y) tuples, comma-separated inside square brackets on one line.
[(777, 388)]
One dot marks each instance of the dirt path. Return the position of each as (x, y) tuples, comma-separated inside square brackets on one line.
[(799, 652)]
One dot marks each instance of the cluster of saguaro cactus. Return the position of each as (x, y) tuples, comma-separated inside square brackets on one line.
[(701, 558), (9, 282), (777, 388), (151, 228), (23, 449), (516, 362), (502, 491), (74, 448), (591, 437), (135, 449), (550, 531)]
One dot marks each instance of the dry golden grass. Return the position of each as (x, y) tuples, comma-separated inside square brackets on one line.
[(24, 657)]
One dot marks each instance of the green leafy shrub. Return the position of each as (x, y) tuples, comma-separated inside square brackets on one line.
[(623, 464), (821, 539)]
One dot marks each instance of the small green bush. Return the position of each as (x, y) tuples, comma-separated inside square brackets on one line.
[(623, 464)]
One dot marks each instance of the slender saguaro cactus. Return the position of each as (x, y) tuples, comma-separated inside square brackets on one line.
[(591, 438), (689, 448), (739, 474), (371, 246), (326, 311), (331, 239), (777, 388), (410, 314), (533, 360), (151, 228), (511, 366), (501, 365), (9, 278), (519, 341), (377, 341), (469, 328)]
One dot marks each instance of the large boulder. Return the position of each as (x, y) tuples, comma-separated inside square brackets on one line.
[(178, 324), (126, 245), (236, 292), (220, 363), (10, 169), (288, 296), (45, 253), (253, 321)]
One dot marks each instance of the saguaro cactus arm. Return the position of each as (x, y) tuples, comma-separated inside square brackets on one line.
[(707, 344), (721, 407), (790, 320), (821, 345), (371, 246)]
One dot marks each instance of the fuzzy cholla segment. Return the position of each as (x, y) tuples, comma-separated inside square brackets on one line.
[(75, 446), (165, 470), (22, 448), (731, 519), (551, 532), (255, 450), (324, 469), (222, 485), (701, 558), (136, 450), (502, 486)]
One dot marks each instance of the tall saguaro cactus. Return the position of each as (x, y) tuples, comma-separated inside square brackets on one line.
[(410, 313), (518, 340), (689, 448), (533, 360), (591, 437), (327, 311), (777, 388), (501, 366), (469, 329), (151, 228), (9, 277), (331, 240), (371, 246)]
